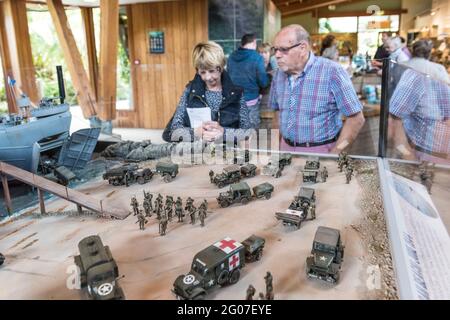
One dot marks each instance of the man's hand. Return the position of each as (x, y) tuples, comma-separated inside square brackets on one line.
[(352, 126)]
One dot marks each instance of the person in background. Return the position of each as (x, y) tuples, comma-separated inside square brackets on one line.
[(211, 88), (247, 70), (382, 52), (327, 42), (421, 61), (405, 47), (269, 61), (331, 53), (419, 125), (310, 94), (395, 48)]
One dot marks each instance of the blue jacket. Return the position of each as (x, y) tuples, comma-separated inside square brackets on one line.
[(246, 69)]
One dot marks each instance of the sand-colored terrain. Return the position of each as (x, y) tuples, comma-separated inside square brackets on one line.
[(39, 251)]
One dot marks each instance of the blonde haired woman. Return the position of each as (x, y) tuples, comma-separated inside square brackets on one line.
[(211, 88)]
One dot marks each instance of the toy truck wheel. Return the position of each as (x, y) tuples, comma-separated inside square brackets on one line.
[(259, 255), (268, 196), (141, 180), (244, 201), (223, 278), (167, 178), (235, 275), (224, 204), (335, 277), (200, 296), (221, 185)]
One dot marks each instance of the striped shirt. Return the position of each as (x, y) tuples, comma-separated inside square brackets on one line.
[(424, 106), (310, 106)]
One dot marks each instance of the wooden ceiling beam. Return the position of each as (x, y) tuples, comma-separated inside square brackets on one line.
[(85, 94), (16, 47), (109, 39), (6, 62), (309, 6)]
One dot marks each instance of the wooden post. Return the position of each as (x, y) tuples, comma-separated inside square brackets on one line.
[(41, 200), (89, 31), (109, 38), (6, 193), (86, 96), (16, 48)]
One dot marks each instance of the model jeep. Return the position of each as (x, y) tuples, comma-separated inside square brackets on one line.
[(98, 270), (2, 259), (248, 171), (230, 174), (327, 255), (254, 246), (121, 175), (238, 192), (304, 199), (167, 170), (219, 264), (311, 170), (241, 193), (276, 164)]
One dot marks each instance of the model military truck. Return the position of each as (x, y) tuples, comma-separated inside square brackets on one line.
[(98, 270), (311, 170), (254, 246), (219, 264), (167, 170), (327, 255), (298, 209), (230, 174), (127, 174), (276, 164), (248, 170), (241, 193)]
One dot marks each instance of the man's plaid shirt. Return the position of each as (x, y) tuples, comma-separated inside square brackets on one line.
[(310, 106)]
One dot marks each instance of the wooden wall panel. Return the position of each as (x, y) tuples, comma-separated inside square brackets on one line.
[(160, 79)]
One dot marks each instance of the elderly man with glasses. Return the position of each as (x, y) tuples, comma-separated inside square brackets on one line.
[(311, 93)]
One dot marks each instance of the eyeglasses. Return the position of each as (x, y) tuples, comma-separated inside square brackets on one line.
[(283, 50)]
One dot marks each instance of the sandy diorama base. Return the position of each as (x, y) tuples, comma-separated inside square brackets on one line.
[(39, 250)]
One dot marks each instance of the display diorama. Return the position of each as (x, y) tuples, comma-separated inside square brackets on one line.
[(180, 236)]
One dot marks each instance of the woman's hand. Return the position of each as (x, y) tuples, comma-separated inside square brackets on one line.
[(212, 131)]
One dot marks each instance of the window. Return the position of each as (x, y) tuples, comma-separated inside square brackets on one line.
[(338, 25), (3, 105)]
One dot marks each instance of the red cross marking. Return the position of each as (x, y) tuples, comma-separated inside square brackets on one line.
[(227, 244), (234, 261)]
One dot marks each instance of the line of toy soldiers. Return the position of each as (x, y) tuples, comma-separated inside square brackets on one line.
[(269, 289), (426, 175), (164, 213), (345, 161)]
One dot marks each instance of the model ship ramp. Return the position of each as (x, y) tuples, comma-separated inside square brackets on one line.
[(42, 184)]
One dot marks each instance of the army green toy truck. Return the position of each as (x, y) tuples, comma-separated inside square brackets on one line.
[(327, 255), (230, 174), (248, 170), (311, 170), (276, 164), (219, 264), (167, 170), (127, 174), (241, 193), (98, 270), (298, 209)]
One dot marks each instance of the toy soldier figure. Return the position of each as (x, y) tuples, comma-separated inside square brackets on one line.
[(204, 206), (135, 205), (261, 296), (250, 292), (211, 176), (189, 203), (163, 225), (348, 175), (312, 210), (324, 174), (169, 210), (142, 221), (426, 179), (158, 202), (159, 208), (202, 215), (179, 209), (127, 178), (192, 211), (269, 286)]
